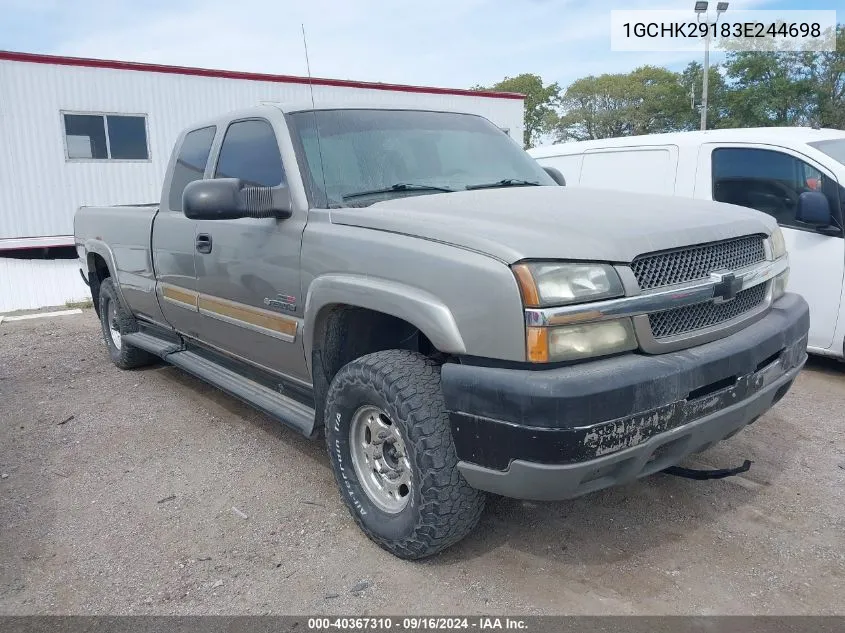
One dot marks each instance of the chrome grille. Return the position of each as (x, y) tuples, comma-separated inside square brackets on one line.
[(703, 315), (666, 268)]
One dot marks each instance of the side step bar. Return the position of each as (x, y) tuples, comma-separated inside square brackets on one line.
[(295, 414), (152, 344)]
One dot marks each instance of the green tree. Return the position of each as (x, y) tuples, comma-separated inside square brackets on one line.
[(646, 101), (827, 77), (768, 88), (540, 103)]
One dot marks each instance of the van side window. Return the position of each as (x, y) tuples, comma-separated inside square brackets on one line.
[(190, 163), (766, 180), (250, 152)]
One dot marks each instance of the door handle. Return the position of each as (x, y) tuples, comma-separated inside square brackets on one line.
[(203, 243)]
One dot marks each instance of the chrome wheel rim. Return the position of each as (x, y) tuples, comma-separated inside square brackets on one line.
[(380, 459), (114, 328)]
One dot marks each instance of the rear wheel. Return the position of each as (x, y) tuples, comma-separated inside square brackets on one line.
[(116, 321), (390, 445)]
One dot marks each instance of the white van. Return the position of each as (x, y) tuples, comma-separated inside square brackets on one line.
[(794, 174)]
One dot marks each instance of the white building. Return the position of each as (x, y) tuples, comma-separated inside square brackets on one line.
[(79, 132)]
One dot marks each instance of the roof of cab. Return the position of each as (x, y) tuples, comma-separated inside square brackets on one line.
[(306, 105), (780, 135), (265, 108)]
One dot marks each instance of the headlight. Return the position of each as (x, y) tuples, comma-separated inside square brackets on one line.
[(779, 285), (571, 342), (777, 243), (553, 284)]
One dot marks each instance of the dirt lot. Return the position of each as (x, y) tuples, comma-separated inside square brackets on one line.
[(127, 507)]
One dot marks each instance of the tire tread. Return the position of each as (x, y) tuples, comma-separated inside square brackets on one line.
[(449, 508), (128, 356)]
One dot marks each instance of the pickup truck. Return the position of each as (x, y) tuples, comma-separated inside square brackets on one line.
[(416, 288)]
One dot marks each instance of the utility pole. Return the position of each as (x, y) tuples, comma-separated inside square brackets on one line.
[(705, 81), (701, 9)]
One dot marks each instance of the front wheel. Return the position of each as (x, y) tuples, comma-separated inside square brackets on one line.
[(392, 454)]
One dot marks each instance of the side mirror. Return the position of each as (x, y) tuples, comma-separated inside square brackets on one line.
[(231, 198), (556, 175), (813, 209)]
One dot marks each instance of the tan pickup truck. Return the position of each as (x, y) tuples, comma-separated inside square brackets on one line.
[(415, 287)]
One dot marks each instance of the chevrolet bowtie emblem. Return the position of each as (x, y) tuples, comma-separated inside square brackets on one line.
[(727, 286)]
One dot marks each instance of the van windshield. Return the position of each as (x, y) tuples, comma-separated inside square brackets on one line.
[(366, 156), (834, 148)]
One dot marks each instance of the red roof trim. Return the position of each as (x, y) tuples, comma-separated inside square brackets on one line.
[(232, 74)]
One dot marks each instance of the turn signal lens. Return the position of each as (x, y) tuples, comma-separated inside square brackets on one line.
[(573, 342), (560, 283), (778, 244), (525, 280), (779, 285), (537, 344)]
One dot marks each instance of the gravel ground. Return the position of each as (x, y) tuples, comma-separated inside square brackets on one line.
[(148, 492)]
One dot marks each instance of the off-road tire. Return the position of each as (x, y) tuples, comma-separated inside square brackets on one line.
[(443, 508), (128, 356)]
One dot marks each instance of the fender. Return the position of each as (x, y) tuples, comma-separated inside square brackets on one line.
[(418, 307), (102, 249)]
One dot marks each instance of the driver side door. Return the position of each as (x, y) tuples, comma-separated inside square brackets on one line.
[(248, 269)]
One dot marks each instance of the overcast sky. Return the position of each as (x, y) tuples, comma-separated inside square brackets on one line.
[(454, 43)]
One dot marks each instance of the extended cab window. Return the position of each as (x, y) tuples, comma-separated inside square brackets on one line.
[(190, 163), (250, 152), (766, 180)]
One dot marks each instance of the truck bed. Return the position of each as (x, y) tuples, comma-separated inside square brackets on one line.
[(120, 235)]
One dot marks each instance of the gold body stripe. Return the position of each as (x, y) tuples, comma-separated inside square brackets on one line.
[(248, 315), (257, 319), (180, 295)]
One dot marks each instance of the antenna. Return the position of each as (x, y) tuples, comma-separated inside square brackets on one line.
[(314, 111)]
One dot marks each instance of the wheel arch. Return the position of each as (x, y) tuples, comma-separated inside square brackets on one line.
[(100, 265), (417, 307), (349, 316)]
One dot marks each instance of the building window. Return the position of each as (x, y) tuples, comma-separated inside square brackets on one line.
[(106, 137)]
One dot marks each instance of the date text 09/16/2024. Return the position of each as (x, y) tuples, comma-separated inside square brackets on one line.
[(418, 623)]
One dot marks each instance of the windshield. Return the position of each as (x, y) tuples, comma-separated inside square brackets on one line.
[(373, 155), (834, 148)]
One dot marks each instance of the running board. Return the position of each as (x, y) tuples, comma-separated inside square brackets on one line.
[(284, 409), (152, 344)]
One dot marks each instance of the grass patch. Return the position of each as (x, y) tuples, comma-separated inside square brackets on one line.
[(88, 303)]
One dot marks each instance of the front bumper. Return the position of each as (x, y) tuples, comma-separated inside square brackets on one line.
[(560, 433)]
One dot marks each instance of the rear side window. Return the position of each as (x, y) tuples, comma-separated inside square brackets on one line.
[(640, 171), (250, 152), (766, 180), (190, 163)]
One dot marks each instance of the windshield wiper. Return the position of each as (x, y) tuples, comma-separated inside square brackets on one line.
[(507, 182), (400, 186)]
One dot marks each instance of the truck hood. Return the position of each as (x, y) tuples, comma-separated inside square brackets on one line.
[(558, 222)]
